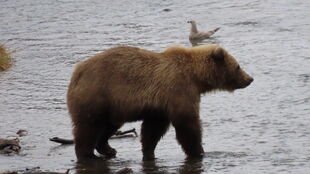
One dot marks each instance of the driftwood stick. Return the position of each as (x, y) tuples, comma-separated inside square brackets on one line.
[(62, 140), (118, 134), (126, 132), (122, 136)]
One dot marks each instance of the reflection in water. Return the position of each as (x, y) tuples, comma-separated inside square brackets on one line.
[(210, 40), (93, 166), (193, 166), (150, 167), (190, 166)]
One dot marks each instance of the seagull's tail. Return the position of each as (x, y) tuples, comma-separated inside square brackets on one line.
[(212, 31), (215, 30)]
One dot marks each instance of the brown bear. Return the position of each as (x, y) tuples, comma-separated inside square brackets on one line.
[(126, 84)]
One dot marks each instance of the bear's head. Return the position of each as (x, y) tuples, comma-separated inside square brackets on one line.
[(220, 70)]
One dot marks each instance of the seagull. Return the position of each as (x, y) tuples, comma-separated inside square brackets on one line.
[(196, 36)]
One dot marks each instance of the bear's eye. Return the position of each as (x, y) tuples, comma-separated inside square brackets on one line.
[(238, 67)]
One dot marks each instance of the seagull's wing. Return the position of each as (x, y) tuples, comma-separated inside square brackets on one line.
[(197, 36)]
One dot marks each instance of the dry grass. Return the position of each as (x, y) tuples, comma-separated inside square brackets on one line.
[(5, 58)]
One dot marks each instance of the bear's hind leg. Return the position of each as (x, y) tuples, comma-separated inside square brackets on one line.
[(85, 135), (151, 132), (102, 145)]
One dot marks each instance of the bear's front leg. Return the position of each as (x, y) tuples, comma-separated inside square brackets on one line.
[(151, 132), (188, 134)]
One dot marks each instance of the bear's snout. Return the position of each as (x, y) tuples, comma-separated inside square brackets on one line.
[(242, 83), (248, 81)]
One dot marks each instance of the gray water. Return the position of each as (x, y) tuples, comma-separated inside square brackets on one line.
[(264, 128)]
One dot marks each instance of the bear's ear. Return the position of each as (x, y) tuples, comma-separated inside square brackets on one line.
[(218, 54)]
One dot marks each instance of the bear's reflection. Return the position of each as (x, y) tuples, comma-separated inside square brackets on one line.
[(93, 167), (150, 167), (189, 166), (193, 166)]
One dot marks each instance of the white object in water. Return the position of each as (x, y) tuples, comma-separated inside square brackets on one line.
[(196, 36)]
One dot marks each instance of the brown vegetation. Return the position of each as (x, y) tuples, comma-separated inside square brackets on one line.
[(5, 58)]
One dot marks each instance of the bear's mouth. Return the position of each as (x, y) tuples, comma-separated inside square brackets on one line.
[(237, 84), (245, 83)]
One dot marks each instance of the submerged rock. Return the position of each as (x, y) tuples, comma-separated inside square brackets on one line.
[(9, 146), (22, 132)]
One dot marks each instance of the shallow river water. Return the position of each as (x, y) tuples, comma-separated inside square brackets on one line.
[(264, 128)]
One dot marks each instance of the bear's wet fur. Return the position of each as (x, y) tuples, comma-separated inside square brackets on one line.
[(126, 84)]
